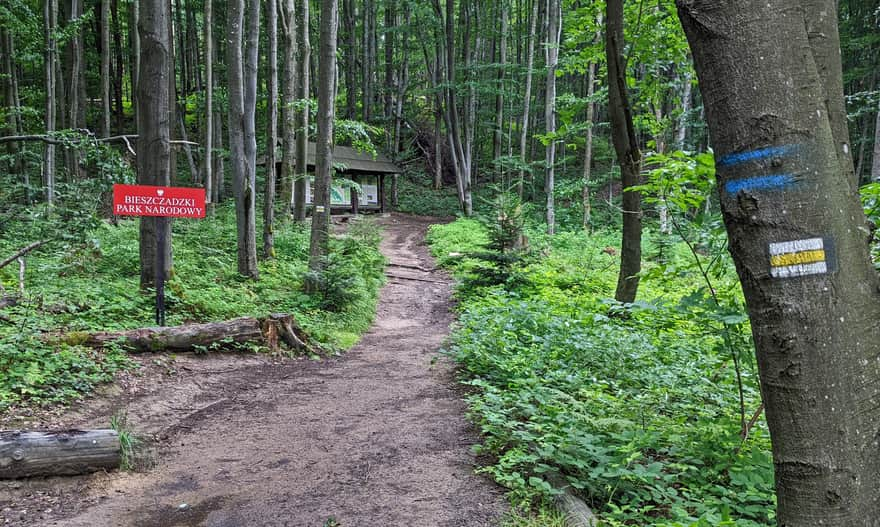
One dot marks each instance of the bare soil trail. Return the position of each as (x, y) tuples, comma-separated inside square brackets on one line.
[(376, 437)]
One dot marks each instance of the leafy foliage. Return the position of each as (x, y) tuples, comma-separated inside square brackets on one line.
[(73, 288), (639, 413)]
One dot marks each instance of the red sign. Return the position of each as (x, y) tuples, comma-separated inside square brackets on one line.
[(173, 202)]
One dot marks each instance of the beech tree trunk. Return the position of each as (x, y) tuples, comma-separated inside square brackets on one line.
[(154, 126), (527, 98), (105, 67), (241, 74), (272, 129), (629, 157), (554, 30), (288, 96), (209, 102), (320, 235), (798, 237), (875, 166), (302, 132), (50, 15)]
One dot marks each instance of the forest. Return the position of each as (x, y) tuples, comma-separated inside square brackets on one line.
[(660, 219)]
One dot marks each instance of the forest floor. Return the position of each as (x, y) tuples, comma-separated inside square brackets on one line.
[(374, 437)]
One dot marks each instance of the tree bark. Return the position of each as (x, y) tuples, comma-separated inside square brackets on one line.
[(498, 136), (798, 237), (270, 331), (554, 30), (302, 132), (527, 98), (50, 15), (272, 129), (209, 102), (588, 148), (875, 165), (241, 73), (626, 146), (320, 235), (105, 67), (154, 126), (69, 453), (289, 82)]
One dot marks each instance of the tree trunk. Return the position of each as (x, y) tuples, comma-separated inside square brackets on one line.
[(588, 146), (350, 53), (69, 453), (241, 73), (799, 244), (50, 14), (318, 243), (686, 96), (134, 35), (105, 67), (209, 102), (554, 30), (288, 114), (875, 165), (154, 127), (626, 146), (272, 131), (367, 60), (119, 66), (498, 136), (302, 132), (267, 331), (527, 98)]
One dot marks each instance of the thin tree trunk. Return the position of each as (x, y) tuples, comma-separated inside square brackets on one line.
[(50, 15), (320, 235), (302, 132), (209, 102), (588, 146), (272, 131), (628, 155), (134, 35), (367, 61), (809, 284), (105, 67), (875, 166), (686, 104), (554, 30), (288, 114), (119, 66), (154, 128), (498, 137), (348, 16), (527, 97)]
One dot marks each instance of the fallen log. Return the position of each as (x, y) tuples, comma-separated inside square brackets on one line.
[(270, 331), (27, 454)]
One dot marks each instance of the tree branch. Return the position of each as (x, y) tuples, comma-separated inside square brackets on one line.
[(22, 252)]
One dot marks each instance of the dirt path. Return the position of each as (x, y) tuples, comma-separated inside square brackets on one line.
[(376, 437)]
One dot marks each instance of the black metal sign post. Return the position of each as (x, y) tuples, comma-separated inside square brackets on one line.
[(161, 236)]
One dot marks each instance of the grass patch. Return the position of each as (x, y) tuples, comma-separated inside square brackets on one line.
[(78, 287)]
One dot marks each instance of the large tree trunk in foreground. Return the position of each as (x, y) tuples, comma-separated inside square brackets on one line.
[(27, 454), (799, 240), (320, 235), (626, 146), (269, 331), (154, 126)]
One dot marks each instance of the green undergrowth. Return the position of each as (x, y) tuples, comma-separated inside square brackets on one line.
[(635, 406), (75, 288)]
